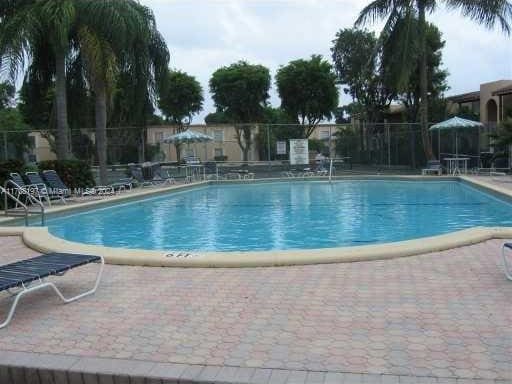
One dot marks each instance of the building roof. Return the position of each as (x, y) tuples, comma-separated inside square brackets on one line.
[(465, 97), (503, 91)]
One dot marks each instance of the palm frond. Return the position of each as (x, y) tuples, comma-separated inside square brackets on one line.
[(486, 12), (57, 18), (376, 10)]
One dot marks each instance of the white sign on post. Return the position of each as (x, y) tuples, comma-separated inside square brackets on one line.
[(299, 151), (281, 147)]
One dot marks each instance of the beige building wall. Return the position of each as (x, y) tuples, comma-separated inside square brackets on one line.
[(224, 143), (41, 149), (489, 104)]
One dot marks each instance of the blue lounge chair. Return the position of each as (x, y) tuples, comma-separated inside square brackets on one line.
[(38, 183), (55, 184), (21, 190), (29, 275)]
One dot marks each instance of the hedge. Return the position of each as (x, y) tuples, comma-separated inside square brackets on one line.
[(74, 173)]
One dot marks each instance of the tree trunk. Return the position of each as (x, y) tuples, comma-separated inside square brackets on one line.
[(248, 143), (412, 146), (425, 136), (61, 107), (178, 145), (101, 128)]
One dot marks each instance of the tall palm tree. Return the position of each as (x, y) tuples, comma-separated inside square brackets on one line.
[(118, 36), (485, 12), (100, 69), (23, 25)]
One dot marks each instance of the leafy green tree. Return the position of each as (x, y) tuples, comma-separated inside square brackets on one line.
[(180, 97), (278, 125), (37, 105), (308, 91), (357, 61), (487, 13), (240, 91), (502, 139), (409, 92), (13, 131), (217, 118)]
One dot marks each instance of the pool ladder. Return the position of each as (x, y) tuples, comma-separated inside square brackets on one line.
[(21, 209)]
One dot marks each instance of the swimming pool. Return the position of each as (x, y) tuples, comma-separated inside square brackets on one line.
[(286, 215)]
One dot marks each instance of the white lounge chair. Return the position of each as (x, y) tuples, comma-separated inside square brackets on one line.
[(22, 277), (433, 167)]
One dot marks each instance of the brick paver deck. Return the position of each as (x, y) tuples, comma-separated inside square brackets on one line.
[(443, 315)]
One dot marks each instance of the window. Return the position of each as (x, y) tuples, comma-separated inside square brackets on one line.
[(219, 152), (218, 135), (324, 135)]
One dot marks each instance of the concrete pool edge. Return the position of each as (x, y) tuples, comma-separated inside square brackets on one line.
[(39, 239)]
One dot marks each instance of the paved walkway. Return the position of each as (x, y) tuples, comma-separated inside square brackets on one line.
[(443, 315)]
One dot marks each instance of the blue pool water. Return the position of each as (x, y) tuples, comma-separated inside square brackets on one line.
[(285, 215)]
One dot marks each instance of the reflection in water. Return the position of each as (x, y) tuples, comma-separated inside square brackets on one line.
[(287, 216)]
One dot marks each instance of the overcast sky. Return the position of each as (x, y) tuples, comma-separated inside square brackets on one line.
[(205, 35)]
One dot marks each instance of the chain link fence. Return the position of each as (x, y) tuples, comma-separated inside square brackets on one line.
[(263, 148)]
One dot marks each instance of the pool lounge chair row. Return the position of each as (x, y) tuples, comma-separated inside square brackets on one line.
[(48, 186), (44, 190)]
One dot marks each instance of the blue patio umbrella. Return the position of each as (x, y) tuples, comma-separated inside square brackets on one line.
[(456, 124), (188, 137)]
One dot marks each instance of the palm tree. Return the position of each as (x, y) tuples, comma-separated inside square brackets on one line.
[(487, 13), (100, 67), (112, 37), (23, 25)]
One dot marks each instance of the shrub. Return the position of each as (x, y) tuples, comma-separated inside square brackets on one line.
[(74, 173), (9, 166)]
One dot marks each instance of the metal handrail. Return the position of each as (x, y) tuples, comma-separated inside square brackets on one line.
[(32, 199)]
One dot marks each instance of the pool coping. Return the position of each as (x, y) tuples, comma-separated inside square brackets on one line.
[(39, 238)]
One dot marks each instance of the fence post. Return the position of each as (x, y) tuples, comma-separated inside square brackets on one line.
[(268, 143), (330, 143), (268, 147), (388, 133), (5, 145), (143, 144)]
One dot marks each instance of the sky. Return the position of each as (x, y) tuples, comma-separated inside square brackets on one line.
[(204, 35)]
